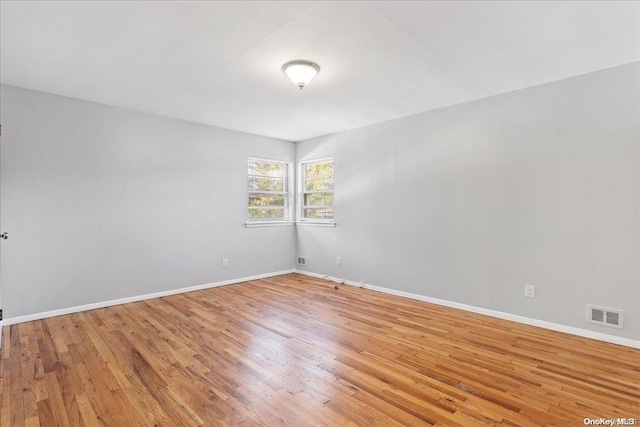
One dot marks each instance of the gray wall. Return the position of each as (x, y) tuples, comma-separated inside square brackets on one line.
[(469, 203), (104, 203)]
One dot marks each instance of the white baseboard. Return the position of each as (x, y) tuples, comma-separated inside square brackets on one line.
[(493, 313), (53, 313)]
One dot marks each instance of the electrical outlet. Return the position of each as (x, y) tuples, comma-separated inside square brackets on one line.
[(339, 260), (529, 291), (224, 263)]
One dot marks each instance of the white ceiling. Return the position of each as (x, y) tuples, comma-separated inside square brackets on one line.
[(219, 63)]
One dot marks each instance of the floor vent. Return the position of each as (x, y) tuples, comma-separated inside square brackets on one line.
[(302, 260), (604, 316)]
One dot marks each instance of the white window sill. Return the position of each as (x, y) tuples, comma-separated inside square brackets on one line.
[(253, 224), (316, 223), (256, 224)]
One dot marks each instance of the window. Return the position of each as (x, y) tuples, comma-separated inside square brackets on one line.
[(316, 190), (269, 190)]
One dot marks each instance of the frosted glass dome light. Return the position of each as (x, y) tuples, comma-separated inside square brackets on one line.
[(300, 71)]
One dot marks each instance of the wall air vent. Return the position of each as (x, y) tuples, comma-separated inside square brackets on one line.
[(302, 260), (604, 316)]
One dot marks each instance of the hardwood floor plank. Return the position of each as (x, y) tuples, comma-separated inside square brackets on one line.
[(55, 401), (89, 416), (33, 421), (293, 351), (28, 369), (15, 376), (5, 392), (45, 415), (70, 384)]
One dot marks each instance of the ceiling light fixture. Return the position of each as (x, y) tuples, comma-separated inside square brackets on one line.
[(300, 71)]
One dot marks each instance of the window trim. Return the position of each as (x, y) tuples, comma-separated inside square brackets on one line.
[(252, 224), (289, 196), (300, 194)]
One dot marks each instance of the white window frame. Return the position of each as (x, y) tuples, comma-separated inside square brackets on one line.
[(300, 219), (288, 196)]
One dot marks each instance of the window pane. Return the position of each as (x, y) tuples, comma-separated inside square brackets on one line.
[(258, 168), (265, 214), (266, 200), (318, 213), (318, 199), (318, 170), (318, 184), (261, 183), (318, 176)]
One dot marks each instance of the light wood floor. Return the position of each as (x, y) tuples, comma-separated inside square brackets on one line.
[(292, 351)]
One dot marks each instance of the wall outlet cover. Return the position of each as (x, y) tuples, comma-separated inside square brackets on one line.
[(529, 291)]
